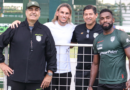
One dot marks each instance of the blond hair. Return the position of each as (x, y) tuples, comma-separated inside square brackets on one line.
[(58, 8)]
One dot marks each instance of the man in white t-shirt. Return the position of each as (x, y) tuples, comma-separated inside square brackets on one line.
[(62, 30)]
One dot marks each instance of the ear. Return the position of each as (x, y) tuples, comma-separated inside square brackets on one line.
[(113, 20), (96, 15)]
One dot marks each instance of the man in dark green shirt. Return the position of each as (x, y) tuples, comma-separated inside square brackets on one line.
[(110, 48)]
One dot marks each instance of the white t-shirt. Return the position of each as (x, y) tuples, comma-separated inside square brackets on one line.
[(62, 35)]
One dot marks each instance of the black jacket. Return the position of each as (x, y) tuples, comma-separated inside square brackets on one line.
[(29, 61)]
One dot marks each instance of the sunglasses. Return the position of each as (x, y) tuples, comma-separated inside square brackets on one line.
[(87, 35)]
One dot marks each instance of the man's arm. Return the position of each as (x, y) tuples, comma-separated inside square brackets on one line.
[(4, 41), (47, 80), (72, 43), (6, 69), (94, 71), (74, 39), (127, 52), (50, 53), (125, 42)]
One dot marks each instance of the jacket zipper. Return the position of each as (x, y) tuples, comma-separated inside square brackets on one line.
[(31, 41), (29, 54)]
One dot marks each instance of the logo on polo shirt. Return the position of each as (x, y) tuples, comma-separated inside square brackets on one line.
[(95, 35), (99, 46), (82, 32), (109, 52), (112, 38), (100, 41)]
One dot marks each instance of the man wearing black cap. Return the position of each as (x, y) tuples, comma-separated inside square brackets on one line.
[(31, 46)]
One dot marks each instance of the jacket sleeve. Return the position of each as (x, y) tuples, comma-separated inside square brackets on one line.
[(4, 41), (50, 52)]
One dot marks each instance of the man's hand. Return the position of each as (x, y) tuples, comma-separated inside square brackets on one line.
[(128, 84), (71, 47), (15, 23), (6, 69), (46, 81), (90, 88)]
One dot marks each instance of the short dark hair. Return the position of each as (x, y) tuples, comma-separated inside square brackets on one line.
[(106, 10), (90, 7)]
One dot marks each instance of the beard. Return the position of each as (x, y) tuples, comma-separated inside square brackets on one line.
[(107, 28)]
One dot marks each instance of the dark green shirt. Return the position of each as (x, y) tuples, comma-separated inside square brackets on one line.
[(112, 68)]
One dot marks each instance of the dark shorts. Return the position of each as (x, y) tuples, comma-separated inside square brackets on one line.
[(14, 85), (121, 86)]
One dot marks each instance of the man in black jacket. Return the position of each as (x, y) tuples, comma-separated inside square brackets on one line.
[(31, 46)]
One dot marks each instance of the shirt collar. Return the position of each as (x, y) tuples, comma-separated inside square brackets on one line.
[(37, 24), (90, 29)]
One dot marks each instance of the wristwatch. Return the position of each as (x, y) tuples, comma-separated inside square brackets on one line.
[(49, 73)]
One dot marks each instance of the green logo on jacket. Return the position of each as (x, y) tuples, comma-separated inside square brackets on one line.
[(38, 34)]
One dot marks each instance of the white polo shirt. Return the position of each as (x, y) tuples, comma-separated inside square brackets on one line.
[(62, 35)]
